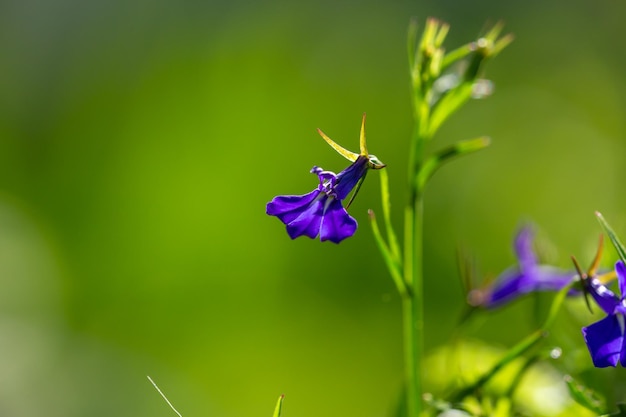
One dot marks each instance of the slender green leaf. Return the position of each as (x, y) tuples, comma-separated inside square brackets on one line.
[(495, 31), (440, 36), (393, 266), (519, 349), (386, 204), (495, 45), (501, 44), (515, 352), (449, 103), (435, 161), (456, 55), (585, 396), (429, 34), (279, 406), (520, 375), (619, 247)]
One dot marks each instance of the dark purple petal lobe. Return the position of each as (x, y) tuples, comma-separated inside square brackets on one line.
[(510, 285), (605, 340), (337, 224), (349, 177), (288, 207), (308, 222)]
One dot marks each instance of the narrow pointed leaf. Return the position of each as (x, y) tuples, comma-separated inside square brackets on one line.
[(519, 349), (386, 203), (279, 406), (449, 103), (494, 32), (501, 44), (393, 267), (584, 396), (455, 56), (619, 247), (515, 352), (429, 34), (444, 28), (434, 162)]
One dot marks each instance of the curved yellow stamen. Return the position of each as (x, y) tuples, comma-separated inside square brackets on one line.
[(362, 138), (606, 278), (372, 163), (350, 156)]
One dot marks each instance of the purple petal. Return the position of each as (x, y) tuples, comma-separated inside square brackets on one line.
[(288, 207), (337, 224), (508, 286), (349, 177), (548, 278), (308, 222), (605, 298), (605, 340), (513, 283), (620, 269), (523, 246)]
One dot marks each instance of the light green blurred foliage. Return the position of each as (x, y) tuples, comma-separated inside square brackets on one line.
[(140, 141), (541, 391)]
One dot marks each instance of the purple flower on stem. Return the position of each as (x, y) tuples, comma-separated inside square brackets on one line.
[(605, 338), (321, 212), (526, 277)]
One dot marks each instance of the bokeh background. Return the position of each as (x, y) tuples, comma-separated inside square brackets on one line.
[(141, 140)]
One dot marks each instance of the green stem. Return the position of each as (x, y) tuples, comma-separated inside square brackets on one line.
[(521, 348), (413, 388), (412, 304), (425, 61), (412, 316)]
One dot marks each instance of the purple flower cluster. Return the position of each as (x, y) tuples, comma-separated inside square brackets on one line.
[(321, 212), (606, 338), (525, 277)]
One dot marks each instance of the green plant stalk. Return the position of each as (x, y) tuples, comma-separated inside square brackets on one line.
[(425, 62), (413, 304), (412, 307)]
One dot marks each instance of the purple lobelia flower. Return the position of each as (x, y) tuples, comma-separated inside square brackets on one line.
[(605, 338), (526, 277), (321, 212)]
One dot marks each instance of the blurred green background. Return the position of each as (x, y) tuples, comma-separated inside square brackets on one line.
[(141, 140)]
